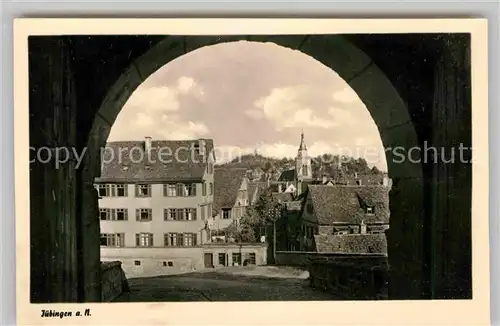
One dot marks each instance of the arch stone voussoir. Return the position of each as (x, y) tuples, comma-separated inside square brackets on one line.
[(335, 52), (402, 151), (197, 42), (293, 42), (119, 94), (382, 100)]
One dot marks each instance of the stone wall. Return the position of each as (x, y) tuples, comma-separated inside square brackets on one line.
[(114, 282), (303, 258), (350, 280), (150, 262)]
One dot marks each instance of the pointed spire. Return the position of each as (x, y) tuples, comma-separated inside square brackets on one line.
[(302, 143)]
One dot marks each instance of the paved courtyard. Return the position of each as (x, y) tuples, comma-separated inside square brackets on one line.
[(228, 284)]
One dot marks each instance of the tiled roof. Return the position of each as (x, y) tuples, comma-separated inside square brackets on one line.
[(227, 182), (282, 197), (288, 175), (252, 192), (168, 161), (351, 243), (346, 204)]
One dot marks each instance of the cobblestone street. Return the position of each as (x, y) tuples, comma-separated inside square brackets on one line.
[(221, 285)]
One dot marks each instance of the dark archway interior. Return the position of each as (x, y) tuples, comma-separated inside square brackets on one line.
[(417, 88)]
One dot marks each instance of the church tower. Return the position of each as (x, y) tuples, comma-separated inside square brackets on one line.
[(303, 167)]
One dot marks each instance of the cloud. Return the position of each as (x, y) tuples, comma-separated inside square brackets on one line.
[(343, 116), (184, 84), (143, 120), (346, 95), (175, 129), (255, 114), (286, 107), (153, 99)]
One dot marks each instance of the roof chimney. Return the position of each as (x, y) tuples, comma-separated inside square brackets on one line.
[(201, 146), (147, 144)]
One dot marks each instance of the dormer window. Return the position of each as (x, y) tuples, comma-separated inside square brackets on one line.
[(196, 148), (370, 210)]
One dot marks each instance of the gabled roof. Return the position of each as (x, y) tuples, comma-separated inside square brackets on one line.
[(288, 175), (168, 161), (346, 204), (227, 183), (351, 243)]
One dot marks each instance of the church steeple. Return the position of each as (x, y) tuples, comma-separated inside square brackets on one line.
[(302, 146), (303, 167)]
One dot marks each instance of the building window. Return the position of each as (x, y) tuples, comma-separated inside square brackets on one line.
[(103, 190), (144, 239), (203, 209), (121, 214), (189, 239), (251, 258), (144, 214), (209, 211), (180, 239), (211, 189), (105, 214), (169, 263), (143, 190), (137, 262), (169, 190), (204, 189), (226, 214), (222, 259), (236, 258), (210, 168), (310, 208), (112, 239), (121, 190), (179, 190), (370, 210), (170, 239), (179, 214), (305, 170)]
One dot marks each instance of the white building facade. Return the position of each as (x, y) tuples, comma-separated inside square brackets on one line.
[(154, 212)]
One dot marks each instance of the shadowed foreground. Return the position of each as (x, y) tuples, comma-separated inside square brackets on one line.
[(222, 285)]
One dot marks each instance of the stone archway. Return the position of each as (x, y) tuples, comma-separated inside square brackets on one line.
[(406, 237)]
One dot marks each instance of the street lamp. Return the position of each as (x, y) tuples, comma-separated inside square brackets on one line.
[(275, 214)]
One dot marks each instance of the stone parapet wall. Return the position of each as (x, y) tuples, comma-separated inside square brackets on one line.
[(114, 282), (350, 280)]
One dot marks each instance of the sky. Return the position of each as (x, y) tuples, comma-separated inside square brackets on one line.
[(248, 97)]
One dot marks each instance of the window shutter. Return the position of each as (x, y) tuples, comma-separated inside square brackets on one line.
[(193, 211), (193, 187), (151, 240), (137, 214), (137, 240), (136, 190)]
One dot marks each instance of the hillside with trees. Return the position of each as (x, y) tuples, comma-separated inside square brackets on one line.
[(322, 164)]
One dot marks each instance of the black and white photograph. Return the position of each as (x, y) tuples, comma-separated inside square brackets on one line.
[(227, 164)]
